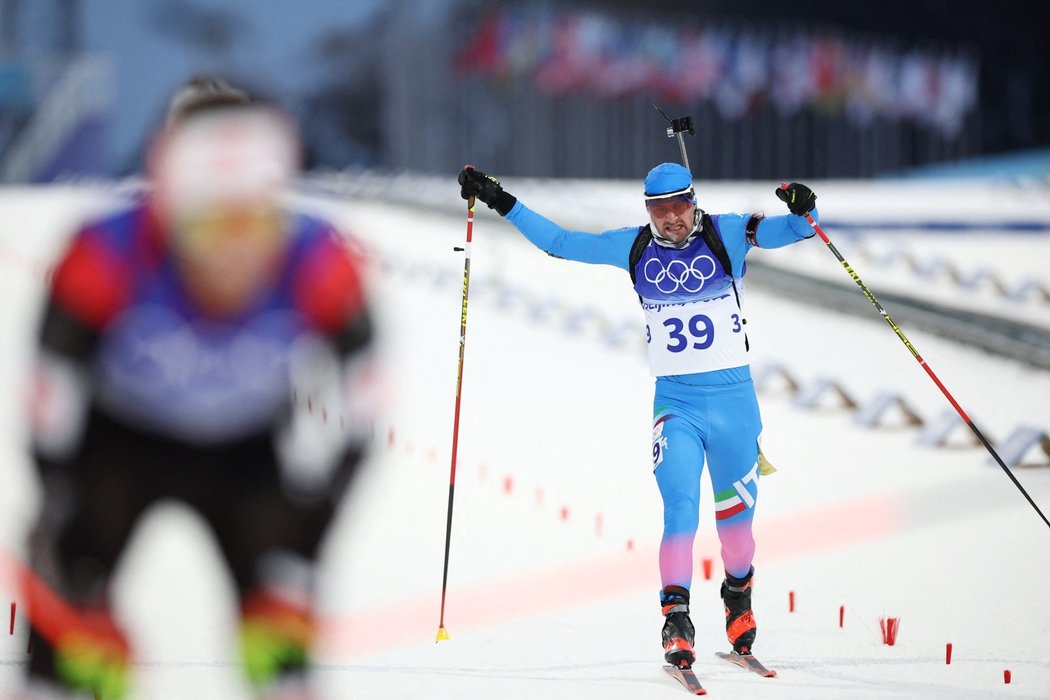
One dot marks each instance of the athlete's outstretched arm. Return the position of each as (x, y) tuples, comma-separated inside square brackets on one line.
[(777, 231), (606, 248)]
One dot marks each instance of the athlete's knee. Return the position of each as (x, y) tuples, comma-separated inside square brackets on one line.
[(681, 513)]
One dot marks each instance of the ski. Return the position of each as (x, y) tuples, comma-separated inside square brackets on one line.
[(747, 661), (687, 678)]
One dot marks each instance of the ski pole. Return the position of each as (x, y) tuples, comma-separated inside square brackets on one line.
[(442, 632), (922, 362)]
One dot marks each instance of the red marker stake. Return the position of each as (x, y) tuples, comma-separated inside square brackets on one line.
[(948, 653), (707, 569), (791, 601), (889, 627), (1006, 676), (842, 614), (12, 617)]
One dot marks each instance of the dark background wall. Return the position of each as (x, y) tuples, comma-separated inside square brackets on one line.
[(375, 83)]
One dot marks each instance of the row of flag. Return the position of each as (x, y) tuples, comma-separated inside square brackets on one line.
[(739, 70)]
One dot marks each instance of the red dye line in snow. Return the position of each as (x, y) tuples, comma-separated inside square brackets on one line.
[(534, 592)]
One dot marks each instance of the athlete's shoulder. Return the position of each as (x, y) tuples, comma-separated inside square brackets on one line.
[(327, 280), (627, 233), (93, 278), (730, 220)]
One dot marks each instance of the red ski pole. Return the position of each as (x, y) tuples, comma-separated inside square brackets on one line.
[(442, 632), (922, 362)]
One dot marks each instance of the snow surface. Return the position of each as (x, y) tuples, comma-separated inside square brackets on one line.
[(553, 577)]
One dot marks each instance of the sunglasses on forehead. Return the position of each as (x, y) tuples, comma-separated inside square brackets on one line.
[(677, 204)]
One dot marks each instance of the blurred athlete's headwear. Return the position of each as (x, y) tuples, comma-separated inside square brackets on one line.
[(201, 93), (224, 156)]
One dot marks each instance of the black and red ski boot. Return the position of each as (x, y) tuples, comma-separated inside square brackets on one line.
[(678, 630), (740, 622)]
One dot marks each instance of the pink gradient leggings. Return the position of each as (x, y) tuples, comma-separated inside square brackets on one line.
[(723, 423)]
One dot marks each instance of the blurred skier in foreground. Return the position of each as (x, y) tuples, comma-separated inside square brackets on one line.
[(182, 341), (687, 268)]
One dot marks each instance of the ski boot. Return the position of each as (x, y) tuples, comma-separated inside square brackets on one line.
[(678, 631), (276, 638), (740, 622), (91, 658)]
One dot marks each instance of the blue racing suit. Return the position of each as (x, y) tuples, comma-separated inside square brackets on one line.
[(705, 402)]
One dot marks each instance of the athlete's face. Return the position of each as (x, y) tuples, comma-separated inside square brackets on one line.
[(673, 216), (227, 254)]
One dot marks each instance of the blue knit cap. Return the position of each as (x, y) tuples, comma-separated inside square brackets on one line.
[(667, 178)]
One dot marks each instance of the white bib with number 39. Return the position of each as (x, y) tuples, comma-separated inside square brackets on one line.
[(695, 336)]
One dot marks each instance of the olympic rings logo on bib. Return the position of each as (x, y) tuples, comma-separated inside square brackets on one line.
[(689, 278)]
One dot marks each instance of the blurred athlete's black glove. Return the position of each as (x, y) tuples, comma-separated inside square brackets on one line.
[(799, 198), (474, 183)]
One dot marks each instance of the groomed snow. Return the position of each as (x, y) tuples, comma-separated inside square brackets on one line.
[(553, 579)]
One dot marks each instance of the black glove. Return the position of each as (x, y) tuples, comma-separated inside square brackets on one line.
[(799, 198), (474, 183)]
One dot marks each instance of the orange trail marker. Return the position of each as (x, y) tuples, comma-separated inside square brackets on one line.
[(707, 564), (791, 601)]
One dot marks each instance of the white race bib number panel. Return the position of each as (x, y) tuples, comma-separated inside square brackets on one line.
[(695, 336)]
